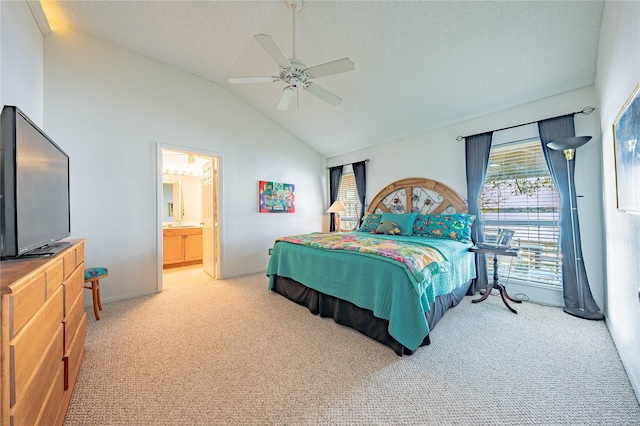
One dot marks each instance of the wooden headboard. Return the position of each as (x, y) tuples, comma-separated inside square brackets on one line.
[(421, 195)]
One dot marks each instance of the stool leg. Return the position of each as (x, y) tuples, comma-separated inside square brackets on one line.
[(94, 293), (99, 298)]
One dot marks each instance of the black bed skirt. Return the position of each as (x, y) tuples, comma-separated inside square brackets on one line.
[(362, 320)]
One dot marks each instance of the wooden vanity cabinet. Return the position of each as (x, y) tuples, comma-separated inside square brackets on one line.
[(42, 334), (181, 247)]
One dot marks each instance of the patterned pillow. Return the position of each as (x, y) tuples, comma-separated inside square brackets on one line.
[(455, 226), (370, 223), (388, 227), (404, 220)]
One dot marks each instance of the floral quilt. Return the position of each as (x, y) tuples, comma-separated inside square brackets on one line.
[(420, 259)]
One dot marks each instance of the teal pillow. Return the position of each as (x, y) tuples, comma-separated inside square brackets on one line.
[(388, 227), (370, 223), (456, 226), (404, 220)]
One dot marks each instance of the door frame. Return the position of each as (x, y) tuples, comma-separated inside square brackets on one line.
[(159, 205)]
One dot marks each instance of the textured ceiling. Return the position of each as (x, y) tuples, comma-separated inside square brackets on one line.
[(419, 65)]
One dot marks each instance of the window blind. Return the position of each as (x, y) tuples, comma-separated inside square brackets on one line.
[(348, 194), (519, 194)]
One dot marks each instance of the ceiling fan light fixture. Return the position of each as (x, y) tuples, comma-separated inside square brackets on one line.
[(285, 98)]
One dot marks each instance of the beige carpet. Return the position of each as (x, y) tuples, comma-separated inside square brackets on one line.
[(231, 352)]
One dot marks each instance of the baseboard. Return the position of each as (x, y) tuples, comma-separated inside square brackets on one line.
[(535, 294), (245, 273), (635, 380), (122, 297)]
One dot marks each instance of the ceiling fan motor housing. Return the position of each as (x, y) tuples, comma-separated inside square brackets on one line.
[(296, 75)]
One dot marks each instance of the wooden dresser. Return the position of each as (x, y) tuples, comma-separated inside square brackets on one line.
[(43, 328)]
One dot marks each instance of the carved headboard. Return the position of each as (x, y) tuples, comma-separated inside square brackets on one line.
[(420, 195)]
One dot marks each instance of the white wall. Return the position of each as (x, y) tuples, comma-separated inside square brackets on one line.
[(618, 73), (437, 155), (108, 108), (21, 60)]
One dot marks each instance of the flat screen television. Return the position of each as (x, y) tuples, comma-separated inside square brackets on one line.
[(34, 189)]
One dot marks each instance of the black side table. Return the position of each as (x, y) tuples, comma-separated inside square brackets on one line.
[(497, 251)]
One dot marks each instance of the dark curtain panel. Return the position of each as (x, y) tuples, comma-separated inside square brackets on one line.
[(360, 175), (335, 176), (562, 173), (477, 150)]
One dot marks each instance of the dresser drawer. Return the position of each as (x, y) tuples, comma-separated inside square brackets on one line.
[(73, 357), (73, 259), (79, 254), (50, 413), (73, 288), (53, 276), (30, 412), (25, 301), (26, 410), (69, 261), (27, 349), (72, 320)]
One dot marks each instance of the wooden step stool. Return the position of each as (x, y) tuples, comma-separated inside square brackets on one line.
[(93, 276)]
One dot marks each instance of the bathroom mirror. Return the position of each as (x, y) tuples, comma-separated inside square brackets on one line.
[(173, 201), (167, 202), (178, 202)]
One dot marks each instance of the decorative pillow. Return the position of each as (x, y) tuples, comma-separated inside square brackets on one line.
[(370, 223), (388, 227), (404, 220), (455, 226)]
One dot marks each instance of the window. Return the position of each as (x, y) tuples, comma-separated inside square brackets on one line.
[(519, 194), (348, 194)]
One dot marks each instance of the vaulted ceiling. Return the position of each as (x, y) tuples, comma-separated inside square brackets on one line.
[(419, 65)]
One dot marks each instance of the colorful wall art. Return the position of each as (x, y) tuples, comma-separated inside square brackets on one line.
[(276, 197)]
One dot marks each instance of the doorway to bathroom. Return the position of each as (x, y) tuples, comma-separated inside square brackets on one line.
[(188, 211)]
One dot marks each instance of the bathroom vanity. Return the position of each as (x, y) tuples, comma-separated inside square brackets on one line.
[(182, 246)]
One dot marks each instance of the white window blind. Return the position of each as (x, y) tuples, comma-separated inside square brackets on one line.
[(348, 194), (519, 194)]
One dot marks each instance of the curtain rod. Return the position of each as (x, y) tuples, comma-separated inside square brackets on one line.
[(346, 164), (586, 111)]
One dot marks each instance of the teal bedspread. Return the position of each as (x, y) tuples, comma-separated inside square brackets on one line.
[(392, 289)]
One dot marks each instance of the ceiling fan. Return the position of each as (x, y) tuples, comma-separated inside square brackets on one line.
[(294, 72)]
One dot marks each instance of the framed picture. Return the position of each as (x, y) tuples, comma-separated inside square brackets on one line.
[(504, 239), (276, 197), (626, 134)]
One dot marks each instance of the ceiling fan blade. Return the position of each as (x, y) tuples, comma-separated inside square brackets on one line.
[(273, 50), (285, 98), (323, 94), (330, 68), (244, 80)]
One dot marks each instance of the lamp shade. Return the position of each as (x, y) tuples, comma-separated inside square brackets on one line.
[(337, 207), (568, 143)]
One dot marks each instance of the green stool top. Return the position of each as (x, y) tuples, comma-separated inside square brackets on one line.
[(93, 273)]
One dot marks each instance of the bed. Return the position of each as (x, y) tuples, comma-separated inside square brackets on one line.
[(393, 278)]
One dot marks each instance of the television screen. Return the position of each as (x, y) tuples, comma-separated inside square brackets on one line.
[(35, 187)]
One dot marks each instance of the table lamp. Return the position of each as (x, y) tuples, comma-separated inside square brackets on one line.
[(337, 207)]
